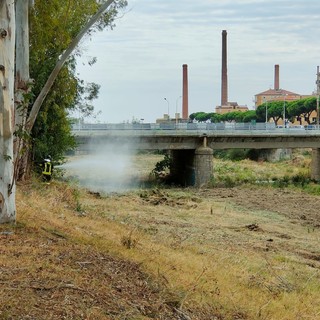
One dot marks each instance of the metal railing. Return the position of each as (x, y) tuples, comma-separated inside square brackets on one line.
[(194, 127)]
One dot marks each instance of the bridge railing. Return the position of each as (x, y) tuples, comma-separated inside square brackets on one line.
[(259, 126)]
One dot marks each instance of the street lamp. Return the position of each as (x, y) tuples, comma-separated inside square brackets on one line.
[(168, 107), (284, 109), (318, 111), (177, 115), (266, 103), (177, 103)]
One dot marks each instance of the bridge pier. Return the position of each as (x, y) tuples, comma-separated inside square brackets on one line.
[(203, 166), (315, 165), (273, 155)]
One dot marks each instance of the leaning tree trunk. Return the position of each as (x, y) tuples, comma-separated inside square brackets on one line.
[(60, 63), (7, 44), (22, 88)]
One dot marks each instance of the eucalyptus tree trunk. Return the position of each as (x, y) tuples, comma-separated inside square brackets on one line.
[(7, 45), (22, 88)]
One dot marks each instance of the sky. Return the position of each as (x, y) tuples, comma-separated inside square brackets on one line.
[(139, 62)]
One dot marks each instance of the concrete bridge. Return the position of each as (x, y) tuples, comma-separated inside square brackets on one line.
[(192, 150)]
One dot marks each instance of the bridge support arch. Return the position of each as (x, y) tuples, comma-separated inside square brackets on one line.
[(315, 165), (182, 167), (192, 167)]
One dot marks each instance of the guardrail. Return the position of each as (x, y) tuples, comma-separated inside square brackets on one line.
[(191, 126)]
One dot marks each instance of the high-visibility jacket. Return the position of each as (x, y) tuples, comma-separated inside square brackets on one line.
[(47, 170)]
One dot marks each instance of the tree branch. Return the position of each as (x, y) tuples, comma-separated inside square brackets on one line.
[(44, 92)]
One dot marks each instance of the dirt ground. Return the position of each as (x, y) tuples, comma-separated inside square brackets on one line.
[(296, 206), (286, 220)]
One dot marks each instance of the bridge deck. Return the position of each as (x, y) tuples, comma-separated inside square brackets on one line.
[(192, 139)]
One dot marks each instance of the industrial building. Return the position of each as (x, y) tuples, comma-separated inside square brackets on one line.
[(226, 106), (277, 94)]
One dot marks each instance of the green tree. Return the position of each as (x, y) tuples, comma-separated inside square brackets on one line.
[(52, 130), (203, 117), (199, 116), (231, 116), (215, 117), (261, 112), (48, 51), (249, 116), (296, 110), (193, 116), (53, 27), (302, 109), (275, 110), (310, 105)]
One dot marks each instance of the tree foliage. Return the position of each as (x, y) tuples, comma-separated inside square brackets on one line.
[(294, 110), (310, 105), (53, 25), (276, 110), (199, 116), (297, 110), (57, 28), (261, 112), (249, 116), (215, 117), (236, 116)]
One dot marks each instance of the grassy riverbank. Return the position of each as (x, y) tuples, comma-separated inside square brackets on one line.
[(244, 252)]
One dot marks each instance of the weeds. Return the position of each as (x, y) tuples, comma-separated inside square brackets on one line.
[(283, 174), (162, 167), (312, 188), (129, 241)]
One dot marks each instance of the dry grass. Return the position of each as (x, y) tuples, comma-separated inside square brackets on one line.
[(240, 253), (55, 263), (206, 251), (248, 171)]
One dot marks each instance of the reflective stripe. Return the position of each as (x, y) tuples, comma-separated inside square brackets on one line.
[(47, 168)]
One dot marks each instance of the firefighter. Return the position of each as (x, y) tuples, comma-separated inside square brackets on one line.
[(47, 169)]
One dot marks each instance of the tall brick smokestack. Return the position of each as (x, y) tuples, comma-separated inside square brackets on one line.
[(276, 77), (224, 73), (185, 112)]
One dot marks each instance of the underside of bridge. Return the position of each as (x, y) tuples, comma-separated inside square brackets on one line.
[(192, 167), (182, 167), (195, 167), (192, 160)]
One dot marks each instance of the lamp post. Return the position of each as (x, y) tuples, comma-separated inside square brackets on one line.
[(318, 111), (266, 103), (177, 116), (168, 107), (284, 110), (177, 103), (266, 113)]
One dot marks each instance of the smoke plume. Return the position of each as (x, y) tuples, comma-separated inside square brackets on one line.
[(106, 168)]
